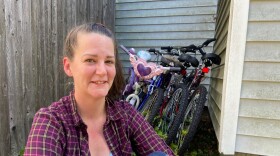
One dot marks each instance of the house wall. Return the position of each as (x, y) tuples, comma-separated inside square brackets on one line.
[(220, 46), (144, 24), (258, 130), (257, 104)]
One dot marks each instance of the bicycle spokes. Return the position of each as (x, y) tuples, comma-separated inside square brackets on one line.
[(185, 125), (165, 121), (147, 110)]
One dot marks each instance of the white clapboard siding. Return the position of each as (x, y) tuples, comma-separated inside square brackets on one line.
[(259, 127), (166, 35), (256, 108), (217, 72), (165, 20), (262, 71), (259, 120), (167, 28), (264, 10), (144, 24), (166, 12), (166, 4), (262, 51), (215, 116), (263, 31), (262, 145)]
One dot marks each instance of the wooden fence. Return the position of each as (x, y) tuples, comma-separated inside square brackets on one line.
[(31, 47)]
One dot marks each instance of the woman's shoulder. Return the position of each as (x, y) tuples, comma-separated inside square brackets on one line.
[(127, 111), (58, 109), (124, 106)]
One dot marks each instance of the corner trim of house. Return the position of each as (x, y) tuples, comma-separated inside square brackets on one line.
[(235, 52)]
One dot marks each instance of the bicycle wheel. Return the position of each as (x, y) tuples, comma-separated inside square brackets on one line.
[(167, 123), (152, 105), (191, 119), (179, 101)]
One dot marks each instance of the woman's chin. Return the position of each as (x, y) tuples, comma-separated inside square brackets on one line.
[(99, 94)]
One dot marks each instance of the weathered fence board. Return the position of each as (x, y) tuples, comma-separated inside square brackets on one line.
[(4, 106), (27, 69), (14, 55), (31, 50)]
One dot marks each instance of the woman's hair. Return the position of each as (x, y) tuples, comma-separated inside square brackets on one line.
[(71, 42)]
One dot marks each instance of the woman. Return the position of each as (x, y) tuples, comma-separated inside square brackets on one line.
[(91, 121)]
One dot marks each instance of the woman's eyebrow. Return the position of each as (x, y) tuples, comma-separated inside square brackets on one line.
[(94, 55), (111, 56), (89, 54)]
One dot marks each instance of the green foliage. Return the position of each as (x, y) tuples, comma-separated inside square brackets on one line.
[(194, 153), (145, 113), (184, 132), (204, 142), (21, 152), (174, 148), (160, 133)]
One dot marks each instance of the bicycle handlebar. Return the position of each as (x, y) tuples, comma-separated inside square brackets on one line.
[(199, 48), (143, 72), (192, 46), (153, 50), (124, 49), (168, 48), (208, 41)]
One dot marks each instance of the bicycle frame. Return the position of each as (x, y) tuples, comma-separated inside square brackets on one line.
[(156, 82), (197, 74), (132, 80)]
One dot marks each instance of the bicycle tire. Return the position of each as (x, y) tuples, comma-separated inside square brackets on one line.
[(153, 104), (194, 112), (181, 105)]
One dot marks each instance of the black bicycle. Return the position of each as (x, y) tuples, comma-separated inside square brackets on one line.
[(173, 103), (190, 119)]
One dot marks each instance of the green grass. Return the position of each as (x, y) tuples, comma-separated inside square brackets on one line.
[(204, 142)]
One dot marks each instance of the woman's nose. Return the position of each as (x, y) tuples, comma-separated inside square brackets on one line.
[(101, 69)]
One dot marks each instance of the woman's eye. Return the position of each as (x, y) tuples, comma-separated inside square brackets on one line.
[(110, 62), (89, 60)]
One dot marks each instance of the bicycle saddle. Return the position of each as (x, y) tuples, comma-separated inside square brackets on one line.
[(171, 61), (189, 59), (214, 58)]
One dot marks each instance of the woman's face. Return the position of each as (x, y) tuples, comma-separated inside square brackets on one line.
[(93, 65)]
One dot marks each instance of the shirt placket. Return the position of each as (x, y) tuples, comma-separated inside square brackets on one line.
[(111, 137), (84, 141)]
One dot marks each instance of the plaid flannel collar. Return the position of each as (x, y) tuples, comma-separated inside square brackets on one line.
[(113, 112)]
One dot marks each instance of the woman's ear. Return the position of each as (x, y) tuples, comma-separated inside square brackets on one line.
[(67, 67)]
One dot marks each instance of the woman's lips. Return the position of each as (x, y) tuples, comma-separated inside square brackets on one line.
[(99, 82)]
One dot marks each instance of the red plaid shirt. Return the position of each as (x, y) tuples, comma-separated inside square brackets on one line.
[(59, 130)]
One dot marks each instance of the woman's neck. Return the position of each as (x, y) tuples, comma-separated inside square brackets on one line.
[(90, 108)]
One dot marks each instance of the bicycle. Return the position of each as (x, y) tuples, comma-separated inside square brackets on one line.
[(163, 113), (189, 121), (168, 82), (144, 71)]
